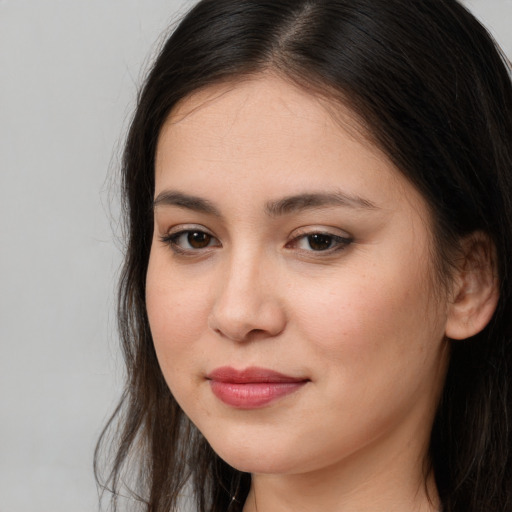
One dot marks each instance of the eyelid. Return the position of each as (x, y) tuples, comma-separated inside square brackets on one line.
[(320, 229), (179, 228), (170, 237), (341, 239)]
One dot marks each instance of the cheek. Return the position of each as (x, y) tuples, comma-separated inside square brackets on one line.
[(374, 347), (383, 316), (177, 313)]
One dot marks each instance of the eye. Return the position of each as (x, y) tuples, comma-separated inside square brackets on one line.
[(190, 240), (319, 242)]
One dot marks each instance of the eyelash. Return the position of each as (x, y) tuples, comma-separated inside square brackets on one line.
[(171, 240), (335, 242)]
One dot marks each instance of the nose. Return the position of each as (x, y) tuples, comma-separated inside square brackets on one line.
[(247, 303)]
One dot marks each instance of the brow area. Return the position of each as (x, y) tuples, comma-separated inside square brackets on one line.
[(274, 208), (299, 202), (189, 202)]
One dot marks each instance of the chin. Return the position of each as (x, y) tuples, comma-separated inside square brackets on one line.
[(257, 459), (257, 465)]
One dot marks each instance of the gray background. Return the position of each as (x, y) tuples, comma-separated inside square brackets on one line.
[(69, 71)]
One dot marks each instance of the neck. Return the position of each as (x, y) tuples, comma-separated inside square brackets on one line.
[(298, 494), (372, 484)]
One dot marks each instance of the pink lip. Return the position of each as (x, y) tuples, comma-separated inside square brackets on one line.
[(252, 387)]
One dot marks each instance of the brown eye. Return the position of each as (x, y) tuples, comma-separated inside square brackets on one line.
[(190, 241), (320, 241), (198, 239)]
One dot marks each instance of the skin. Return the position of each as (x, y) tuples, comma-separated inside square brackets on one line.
[(363, 321)]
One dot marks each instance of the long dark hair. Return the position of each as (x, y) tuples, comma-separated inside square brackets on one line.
[(434, 92)]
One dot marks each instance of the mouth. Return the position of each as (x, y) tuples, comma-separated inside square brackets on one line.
[(252, 387)]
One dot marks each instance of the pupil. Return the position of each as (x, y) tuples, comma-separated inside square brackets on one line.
[(320, 242), (198, 239)]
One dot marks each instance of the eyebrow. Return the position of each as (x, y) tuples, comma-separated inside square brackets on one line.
[(279, 207), (299, 202), (189, 202)]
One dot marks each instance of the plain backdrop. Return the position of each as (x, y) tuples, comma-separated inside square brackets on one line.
[(69, 71)]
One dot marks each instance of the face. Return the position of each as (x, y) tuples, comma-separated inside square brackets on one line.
[(289, 289)]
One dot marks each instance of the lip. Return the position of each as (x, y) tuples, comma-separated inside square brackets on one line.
[(253, 387)]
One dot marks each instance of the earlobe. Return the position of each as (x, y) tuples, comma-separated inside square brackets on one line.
[(475, 291)]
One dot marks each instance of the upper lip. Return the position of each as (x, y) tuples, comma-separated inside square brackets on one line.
[(249, 375)]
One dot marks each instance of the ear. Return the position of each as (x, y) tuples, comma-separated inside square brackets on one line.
[(475, 290)]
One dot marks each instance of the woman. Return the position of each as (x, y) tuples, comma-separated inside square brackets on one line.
[(315, 305)]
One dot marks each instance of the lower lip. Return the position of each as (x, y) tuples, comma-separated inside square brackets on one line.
[(254, 394)]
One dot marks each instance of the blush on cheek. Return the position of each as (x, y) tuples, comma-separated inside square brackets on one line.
[(172, 322), (171, 306), (365, 319)]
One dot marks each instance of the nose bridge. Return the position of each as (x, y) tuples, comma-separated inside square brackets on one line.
[(247, 299)]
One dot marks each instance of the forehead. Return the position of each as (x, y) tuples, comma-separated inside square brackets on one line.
[(279, 97), (269, 136)]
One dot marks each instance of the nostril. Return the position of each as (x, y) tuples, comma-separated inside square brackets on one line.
[(243, 312), (243, 331)]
